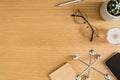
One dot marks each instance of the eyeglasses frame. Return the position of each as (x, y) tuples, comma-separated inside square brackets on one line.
[(86, 21)]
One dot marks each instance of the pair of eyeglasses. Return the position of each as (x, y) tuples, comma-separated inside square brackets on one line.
[(90, 31)]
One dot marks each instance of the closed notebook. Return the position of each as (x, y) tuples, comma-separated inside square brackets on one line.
[(65, 72)]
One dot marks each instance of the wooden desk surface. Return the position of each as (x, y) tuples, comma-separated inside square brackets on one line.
[(36, 38)]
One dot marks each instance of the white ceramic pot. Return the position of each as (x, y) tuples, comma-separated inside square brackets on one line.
[(105, 14)]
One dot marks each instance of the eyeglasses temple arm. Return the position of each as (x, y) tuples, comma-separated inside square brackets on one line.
[(91, 28)]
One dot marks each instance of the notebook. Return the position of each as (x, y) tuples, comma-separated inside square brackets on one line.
[(65, 72)]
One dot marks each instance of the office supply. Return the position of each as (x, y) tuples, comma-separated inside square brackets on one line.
[(68, 2), (90, 66), (65, 72), (114, 65), (113, 35)]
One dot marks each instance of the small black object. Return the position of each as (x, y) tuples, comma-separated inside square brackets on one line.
[(114, 65)]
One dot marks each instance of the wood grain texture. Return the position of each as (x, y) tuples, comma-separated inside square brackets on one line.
[(36, 38)]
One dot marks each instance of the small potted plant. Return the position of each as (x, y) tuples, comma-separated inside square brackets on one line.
[(110, 10)]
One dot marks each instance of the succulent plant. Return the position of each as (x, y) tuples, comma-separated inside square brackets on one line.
[(114, 7)]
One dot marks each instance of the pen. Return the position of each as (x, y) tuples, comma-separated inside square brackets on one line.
[(68, 2)]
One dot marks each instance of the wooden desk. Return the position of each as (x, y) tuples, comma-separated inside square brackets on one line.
[(36, 38)]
